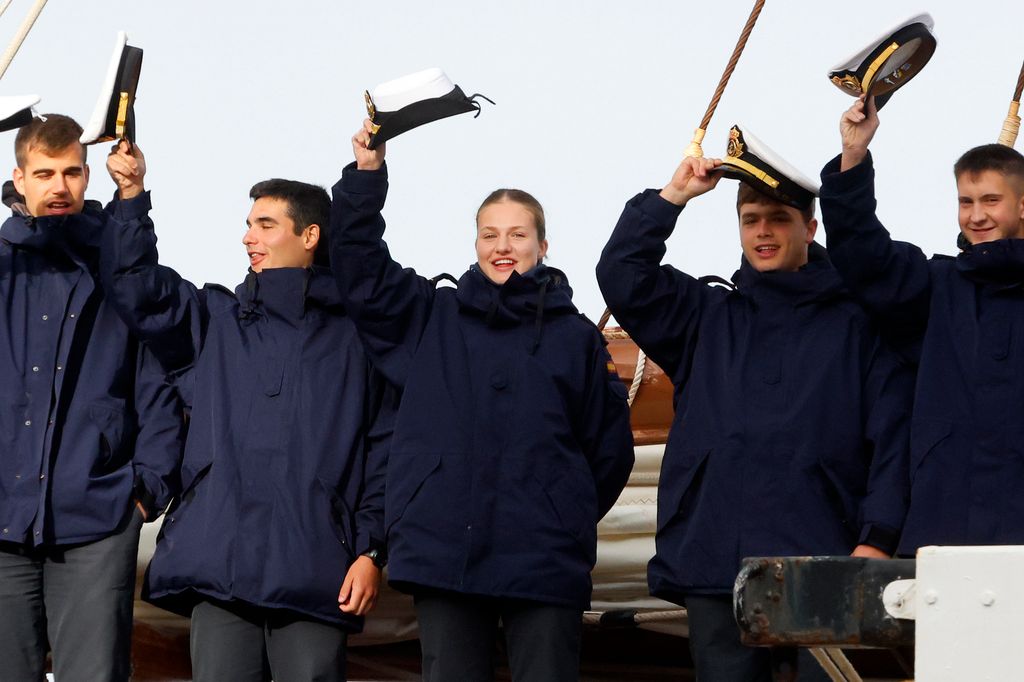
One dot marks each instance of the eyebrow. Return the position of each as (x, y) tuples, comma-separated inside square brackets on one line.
[(261, 219)]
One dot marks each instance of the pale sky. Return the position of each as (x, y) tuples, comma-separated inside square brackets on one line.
[(595, 102)]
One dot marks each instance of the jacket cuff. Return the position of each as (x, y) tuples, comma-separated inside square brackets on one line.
[(355, 181), (131, 209), (145, 498), (834, 181), (366, 542), (880, 537), (654, 205)]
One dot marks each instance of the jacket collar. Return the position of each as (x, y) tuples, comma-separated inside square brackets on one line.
[(541, 288), (287, 293), (999, 262), (70, 233), (816, 280)]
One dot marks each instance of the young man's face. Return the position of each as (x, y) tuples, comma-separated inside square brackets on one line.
[(53, 182), (775, 236), (506, 240), (270, 240), (991, 206)]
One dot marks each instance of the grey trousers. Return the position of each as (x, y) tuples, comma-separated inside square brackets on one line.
[(720, 656), (73, 599), (458, 635), (237, 642)]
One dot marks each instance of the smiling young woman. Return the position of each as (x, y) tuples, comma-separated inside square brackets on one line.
[(512, 438)]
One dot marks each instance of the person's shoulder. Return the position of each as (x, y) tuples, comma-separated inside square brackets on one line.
[(217, 297)]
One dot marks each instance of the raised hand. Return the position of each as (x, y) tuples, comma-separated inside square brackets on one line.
[(127, 167), (857, 128), (366, 159), (693, 178)]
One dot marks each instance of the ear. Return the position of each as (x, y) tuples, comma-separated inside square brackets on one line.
[(543, 250), (19, 180), (812, 228), (85, 173), (311, 237)]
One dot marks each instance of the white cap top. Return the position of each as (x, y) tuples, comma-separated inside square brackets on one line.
[(855, 60), (94, 128), (401, 92), (12, 105), (765, 153)]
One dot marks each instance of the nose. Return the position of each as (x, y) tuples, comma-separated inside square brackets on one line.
[(762, 228), (977, 213), (504, 244), (60, 185), (248, 239)]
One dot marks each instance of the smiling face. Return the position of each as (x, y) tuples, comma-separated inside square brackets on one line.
[(991, 206), (53, 182), (507, 240), (775, 236), (270, 239)]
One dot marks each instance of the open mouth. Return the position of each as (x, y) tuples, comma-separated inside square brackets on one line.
[(767, 250), (503, 263), (58, 207), (255, 258)]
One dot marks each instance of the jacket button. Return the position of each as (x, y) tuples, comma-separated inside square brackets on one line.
[(5, 531), (17, 477), (60, 367), (35, 368), (42, 476), (45, 318), (72, 316), (28, 422)]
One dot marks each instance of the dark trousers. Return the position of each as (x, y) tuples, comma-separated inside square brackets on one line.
[(236, 642), (75, 599), (458, 634), (719, 656)]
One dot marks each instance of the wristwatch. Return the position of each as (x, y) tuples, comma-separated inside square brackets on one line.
[(378, 557)]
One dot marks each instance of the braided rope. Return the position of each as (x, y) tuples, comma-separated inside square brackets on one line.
[(19, 37), (638, 375), (694, 149), (3, 7)]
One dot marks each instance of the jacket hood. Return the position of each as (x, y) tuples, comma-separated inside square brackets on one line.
[(540, 293), (68, 232), (999, 262), (815, 281), (287, 292)]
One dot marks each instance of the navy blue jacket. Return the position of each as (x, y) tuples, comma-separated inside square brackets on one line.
[(283, 476), (87, 422), (512, 439), (963, 319), (790, 431)]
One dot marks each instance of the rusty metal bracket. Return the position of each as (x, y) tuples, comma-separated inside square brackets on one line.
[(820, 602)]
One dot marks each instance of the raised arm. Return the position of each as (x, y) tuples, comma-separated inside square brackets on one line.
[(158, 306), (388, 304), (890, 278), (659, 306)]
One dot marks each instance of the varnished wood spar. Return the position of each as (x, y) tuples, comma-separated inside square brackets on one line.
[(651, 414)]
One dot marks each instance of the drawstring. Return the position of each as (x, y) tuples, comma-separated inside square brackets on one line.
[(476, 105), (539, 324)]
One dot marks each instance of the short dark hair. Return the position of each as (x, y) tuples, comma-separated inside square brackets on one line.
[(307, 205), (994, 157), (528, 201), (51, 133), (748, 195)]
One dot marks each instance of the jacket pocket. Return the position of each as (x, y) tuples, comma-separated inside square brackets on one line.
[(341, 520), (110, 419), (925, 436), (188, 491), (407, 472), (679, 483), (573, 498)]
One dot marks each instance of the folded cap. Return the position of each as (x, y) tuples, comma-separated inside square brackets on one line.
[(888, 62), (17, 110), (751, 161), (113, 118), (402, 104)]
